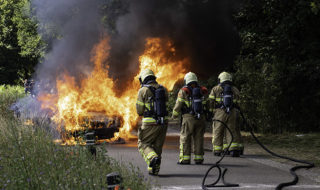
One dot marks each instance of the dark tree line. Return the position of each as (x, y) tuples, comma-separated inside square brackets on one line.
[(278, 68), (20, 45)]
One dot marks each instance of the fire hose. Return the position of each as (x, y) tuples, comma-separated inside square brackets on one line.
[(221, 173)]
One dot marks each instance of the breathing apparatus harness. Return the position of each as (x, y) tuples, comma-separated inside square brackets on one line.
[(157, 103), (222, 173), (195, 99), (226, 97)]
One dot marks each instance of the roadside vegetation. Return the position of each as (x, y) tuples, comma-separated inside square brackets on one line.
[(295, 145), (29, 159), (278, 66)]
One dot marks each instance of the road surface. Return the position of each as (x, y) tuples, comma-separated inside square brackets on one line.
[(249, 171)]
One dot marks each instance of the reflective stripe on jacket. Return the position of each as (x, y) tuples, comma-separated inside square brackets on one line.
[(215, 96), (143, 103), (183, 101)]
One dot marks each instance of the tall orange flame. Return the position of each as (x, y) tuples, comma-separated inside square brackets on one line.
[(96, 92)]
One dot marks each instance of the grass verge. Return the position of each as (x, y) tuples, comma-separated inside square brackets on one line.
[(30, 160), (299, 146)]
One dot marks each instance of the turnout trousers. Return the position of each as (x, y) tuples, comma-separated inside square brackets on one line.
[(150, 141), (191, 129), (219, 130)]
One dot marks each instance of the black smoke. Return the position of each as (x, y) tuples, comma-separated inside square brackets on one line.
[(71, 28), (200, 30)]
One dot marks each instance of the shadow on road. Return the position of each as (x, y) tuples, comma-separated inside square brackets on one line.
[(228, 165), (182, 175), (256, 156)]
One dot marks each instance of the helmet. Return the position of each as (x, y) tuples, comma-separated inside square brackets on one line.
[(224, 76), (190, 77), (145, 73)]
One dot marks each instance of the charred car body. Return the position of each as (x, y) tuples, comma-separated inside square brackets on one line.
[(95, 128)]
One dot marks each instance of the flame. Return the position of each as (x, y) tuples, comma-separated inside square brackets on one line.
[(158, 57), (72, 103), (28, 122)]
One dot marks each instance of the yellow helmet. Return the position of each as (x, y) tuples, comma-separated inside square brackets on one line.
[(224, 76), (145, 73), (190, 77)]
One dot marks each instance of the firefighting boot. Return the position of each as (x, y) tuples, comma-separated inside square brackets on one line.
[(241, 150), (184, 162), (157, 167), (235, 153), (184, 159), (198, 162), (217, 153), (225, 149), (154, 166), (226, 152)]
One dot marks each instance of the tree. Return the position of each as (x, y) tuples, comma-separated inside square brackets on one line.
[(278, 68), (20, 45)]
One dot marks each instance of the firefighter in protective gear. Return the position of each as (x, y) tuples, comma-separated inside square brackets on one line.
[(227, 114), (193, 124), (151, 135)]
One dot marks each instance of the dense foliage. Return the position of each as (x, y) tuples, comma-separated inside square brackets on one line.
[(278, 68), (20, 44)]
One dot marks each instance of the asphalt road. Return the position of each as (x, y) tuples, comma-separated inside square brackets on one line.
[(249, 171)]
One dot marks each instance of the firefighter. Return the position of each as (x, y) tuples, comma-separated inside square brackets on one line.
[(191, 103), (223, 101), (28, 86), (151, 104)]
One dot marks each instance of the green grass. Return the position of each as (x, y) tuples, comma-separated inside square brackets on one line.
[(29, 159), (299, 146), (8, 95)]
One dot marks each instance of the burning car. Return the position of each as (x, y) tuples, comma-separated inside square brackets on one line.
[(90, 107), (95, 128)]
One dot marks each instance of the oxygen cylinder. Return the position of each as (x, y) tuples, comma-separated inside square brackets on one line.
[(227, 97), (160, 102), (197, 101)]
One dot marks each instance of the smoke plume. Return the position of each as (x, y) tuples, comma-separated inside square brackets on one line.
[(71, 29), (200, 30)]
